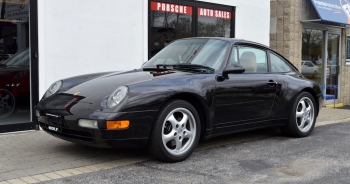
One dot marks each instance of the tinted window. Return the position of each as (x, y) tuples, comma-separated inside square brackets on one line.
[(278, 65), (253, 60)]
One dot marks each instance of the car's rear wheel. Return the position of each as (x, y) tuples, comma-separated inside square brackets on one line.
[(176, 132), (302, 118), (7, 103)]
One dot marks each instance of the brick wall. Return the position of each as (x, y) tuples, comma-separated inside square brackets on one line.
[(344, 71), (286, 29)]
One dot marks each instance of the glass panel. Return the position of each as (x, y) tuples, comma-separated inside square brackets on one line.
[(253, 60), (311, 64), (169, 22), (15, 62), (278, 65), (205, 52), (332, 66), (214, 23), (234, 55)]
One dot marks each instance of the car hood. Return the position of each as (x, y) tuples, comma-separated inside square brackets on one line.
[(100, 87)]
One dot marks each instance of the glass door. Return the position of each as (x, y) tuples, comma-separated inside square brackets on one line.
[(15, 93), (320, 60), (332, 70), (312, 52)]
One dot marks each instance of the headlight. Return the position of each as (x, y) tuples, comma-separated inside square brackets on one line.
[(53, 89), (21, 74), (117, 96)]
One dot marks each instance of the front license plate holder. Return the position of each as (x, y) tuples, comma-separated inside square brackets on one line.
[(52, 128), (54, 123)]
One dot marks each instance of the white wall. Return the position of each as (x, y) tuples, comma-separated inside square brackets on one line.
[(252, 19), (87, 36)]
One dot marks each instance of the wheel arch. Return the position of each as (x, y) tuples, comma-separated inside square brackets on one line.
[(314, 95), (198, 104)]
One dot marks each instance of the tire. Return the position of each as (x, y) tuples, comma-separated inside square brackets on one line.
[(301, 113), (7, 103), (173, 138)]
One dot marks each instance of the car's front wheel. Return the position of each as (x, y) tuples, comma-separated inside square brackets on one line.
[(176, 132), (302, 118)]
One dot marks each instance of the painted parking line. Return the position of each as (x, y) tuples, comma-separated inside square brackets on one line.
[(128, 161)]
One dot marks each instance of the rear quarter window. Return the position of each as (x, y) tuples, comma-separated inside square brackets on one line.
[(278, 65)]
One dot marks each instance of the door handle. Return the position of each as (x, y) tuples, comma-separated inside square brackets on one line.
[(271, 83)]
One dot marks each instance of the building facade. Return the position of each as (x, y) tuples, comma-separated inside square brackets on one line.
[(44, 41), (313, 34)]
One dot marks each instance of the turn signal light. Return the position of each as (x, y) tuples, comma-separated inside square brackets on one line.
[(114, 125)]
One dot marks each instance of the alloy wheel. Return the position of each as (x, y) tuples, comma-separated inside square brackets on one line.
[(179, 131), (305, 114)]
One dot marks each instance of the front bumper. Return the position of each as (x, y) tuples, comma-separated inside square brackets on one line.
[(67, 128)]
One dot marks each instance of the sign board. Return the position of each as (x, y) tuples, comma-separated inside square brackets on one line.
[(327, 72), (333, 10), (172, 8), (214, 13), (16, 9), (348, 49)]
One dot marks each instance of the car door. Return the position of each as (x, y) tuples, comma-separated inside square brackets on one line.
[(247, 96)]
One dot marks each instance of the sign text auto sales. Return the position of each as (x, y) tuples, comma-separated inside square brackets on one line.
[(214, 13)]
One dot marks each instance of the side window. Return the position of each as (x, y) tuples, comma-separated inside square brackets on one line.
[(252, 59), (233, 56), (278, 65)]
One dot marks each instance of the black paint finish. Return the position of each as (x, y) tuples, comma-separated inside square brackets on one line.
[(230, 104)]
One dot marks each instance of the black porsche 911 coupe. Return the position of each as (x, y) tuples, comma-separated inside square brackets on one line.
[(195, 88)]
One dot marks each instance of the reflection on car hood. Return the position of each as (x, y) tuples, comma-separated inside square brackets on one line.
[(103, 86)]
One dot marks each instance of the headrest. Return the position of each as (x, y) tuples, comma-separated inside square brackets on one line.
[(248, 61)]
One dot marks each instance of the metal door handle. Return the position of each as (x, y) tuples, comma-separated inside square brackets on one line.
[(271, 83)]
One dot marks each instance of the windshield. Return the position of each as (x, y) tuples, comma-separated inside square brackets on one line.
[(206, 52), (19, 59)]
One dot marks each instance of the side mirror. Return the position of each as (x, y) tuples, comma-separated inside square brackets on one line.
[(234, 68)]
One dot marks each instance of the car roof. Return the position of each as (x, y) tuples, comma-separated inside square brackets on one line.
[(231, 40)]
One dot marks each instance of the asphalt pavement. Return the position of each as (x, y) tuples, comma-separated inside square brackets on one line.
[(320, 158), (262, 156)]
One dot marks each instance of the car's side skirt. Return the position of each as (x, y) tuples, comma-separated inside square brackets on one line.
[(229, 129)]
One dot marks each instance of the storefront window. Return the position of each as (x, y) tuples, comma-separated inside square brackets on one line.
[(214, 23), (169, 22), (311, 64), (15, 62)]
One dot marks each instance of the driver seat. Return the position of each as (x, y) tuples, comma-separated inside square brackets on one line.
[(248, 61)]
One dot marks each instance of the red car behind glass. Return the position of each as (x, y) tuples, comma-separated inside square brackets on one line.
[(14, 83)]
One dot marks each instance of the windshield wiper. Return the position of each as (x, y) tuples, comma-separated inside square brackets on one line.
[(160, 68), (194, 68), (182, 67)]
